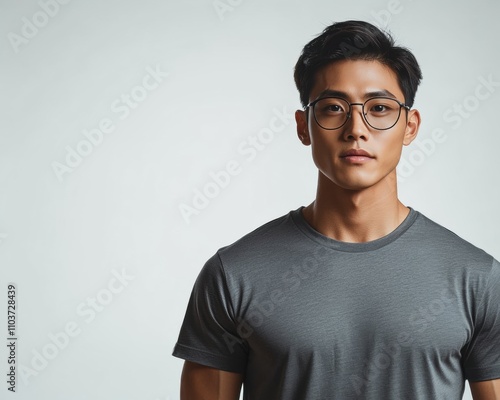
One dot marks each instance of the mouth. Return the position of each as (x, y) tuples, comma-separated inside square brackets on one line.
[(357, 156)]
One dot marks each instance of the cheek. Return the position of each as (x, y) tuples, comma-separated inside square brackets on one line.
[(390, 148), (323, 148), (324, 144)]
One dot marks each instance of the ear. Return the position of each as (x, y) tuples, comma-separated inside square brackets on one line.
[(302, 130), (412, 126)]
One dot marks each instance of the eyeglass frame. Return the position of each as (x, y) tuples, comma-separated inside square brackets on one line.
[(349, 113)]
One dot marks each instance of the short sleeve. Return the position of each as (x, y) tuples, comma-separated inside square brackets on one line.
[(208, 334), (481, 358)]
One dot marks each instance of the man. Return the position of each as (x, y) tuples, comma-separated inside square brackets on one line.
[(355, 295)]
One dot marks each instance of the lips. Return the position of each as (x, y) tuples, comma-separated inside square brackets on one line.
[(356, 153)]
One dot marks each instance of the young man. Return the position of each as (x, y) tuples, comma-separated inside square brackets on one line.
[(355, 295)]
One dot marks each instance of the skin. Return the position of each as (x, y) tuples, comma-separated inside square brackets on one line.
[(199, 382), (485, 390), (355, 201)]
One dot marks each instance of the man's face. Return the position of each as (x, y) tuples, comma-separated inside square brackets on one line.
[(356, 81)]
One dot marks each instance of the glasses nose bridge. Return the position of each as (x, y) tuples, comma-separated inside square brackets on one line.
[(349, 114), (356, 104)]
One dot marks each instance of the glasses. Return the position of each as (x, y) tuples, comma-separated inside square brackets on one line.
[(380, 113)]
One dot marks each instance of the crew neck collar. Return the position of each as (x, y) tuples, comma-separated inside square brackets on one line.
[(309, 231)]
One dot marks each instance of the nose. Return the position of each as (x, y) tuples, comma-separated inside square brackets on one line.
[(356, 127)]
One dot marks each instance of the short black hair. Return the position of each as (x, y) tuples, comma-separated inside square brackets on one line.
[(356, 40)]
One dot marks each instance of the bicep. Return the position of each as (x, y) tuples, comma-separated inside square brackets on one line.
[(199, 382), (485, 390)]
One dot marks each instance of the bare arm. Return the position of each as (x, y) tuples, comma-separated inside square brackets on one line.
[(199, 382), (485, 390)]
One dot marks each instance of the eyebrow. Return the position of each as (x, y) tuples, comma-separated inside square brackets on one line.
[(338, 93)]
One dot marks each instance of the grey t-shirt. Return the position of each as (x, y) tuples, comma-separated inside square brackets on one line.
[(408, 316)]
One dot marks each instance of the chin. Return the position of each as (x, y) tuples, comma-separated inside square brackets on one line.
[(355, 186), (355, 182)]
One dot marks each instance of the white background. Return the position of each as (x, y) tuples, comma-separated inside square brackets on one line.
[(117, 211)]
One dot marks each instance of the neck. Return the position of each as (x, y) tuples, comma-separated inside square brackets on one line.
[(356, 215)]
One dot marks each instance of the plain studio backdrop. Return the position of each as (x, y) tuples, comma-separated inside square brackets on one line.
[(138, 137)]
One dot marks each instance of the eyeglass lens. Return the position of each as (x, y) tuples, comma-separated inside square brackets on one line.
[(379, 112)]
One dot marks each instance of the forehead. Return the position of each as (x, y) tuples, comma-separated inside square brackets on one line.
[(355, 78)]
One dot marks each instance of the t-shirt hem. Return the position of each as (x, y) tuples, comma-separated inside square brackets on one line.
[(483, 374), (210, 360)]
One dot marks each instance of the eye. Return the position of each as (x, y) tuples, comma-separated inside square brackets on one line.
[(378, 108), (331, 106), (334, 107)]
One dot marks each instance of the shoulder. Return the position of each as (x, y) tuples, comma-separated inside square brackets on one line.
[(436, 238), (270, 239), (275, 231)]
